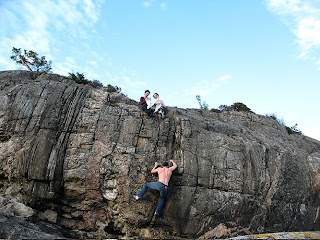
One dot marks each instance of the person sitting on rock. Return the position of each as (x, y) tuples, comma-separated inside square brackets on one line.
[(164, 175), (145, 103), (159, 105)]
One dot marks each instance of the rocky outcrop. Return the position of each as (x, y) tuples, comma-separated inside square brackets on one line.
[(75, 154), (16, 221)]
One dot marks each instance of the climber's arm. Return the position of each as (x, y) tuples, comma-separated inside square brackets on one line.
[(154, 169)]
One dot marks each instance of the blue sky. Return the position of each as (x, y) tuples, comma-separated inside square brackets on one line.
[(263, 53)]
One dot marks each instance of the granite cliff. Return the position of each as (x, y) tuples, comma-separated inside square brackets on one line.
[(72, 155)]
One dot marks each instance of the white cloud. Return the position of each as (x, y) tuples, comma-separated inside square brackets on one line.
[(131, 83), (205, 88), (38, 25), (123, 81), (68, 65), (62, 70), (93, 62), (69, 60), (308, 33), (147, 4), (318, 64), (92, 75), (225, 77), (5, 61), (284, 6), (303, 19), (163, 6), (91, 10)]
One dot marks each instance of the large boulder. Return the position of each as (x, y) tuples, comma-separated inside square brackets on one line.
[(75, 154)]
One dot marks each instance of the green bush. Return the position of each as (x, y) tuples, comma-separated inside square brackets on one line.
[(293, 130), (238, 106), (289, 130), (79, 78), (96, 84), (111, 88)]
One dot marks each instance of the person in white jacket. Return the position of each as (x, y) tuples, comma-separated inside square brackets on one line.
[(159, 105)]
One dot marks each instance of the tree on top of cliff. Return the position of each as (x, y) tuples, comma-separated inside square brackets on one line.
[(30, 60)]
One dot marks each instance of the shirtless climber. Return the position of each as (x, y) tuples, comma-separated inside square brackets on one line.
[(164, 174)]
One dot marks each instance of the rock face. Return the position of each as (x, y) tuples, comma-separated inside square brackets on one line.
[(16, 223), (75, 154)]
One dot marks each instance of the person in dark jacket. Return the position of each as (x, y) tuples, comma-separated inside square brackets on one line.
[(145, 102)]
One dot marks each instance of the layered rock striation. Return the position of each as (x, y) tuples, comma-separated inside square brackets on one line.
[(75, 154)]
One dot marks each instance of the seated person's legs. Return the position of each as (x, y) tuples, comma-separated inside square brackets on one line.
[(146, 110), (161, 112)]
